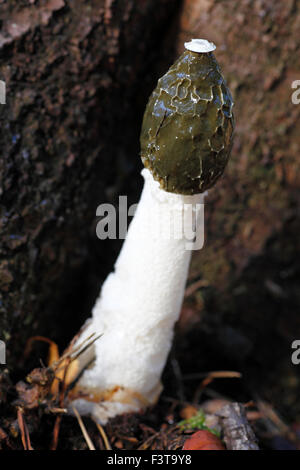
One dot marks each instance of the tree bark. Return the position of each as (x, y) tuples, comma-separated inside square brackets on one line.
[(78, 75), (250, 261)]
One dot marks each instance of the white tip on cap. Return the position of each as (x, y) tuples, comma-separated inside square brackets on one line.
[(199, 45)]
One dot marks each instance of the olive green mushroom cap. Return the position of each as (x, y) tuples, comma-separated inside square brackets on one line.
[(188, 123)]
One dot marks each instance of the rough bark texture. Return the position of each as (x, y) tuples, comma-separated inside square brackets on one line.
[(250, 261), (78, 75), (238, 434)]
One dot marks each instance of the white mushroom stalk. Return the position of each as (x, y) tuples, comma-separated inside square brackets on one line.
[(141, 300), (140, 303)]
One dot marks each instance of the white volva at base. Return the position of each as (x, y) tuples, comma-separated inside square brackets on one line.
[(139, 304)]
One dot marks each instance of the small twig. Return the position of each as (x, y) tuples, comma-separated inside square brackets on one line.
[(214, 374), (103, 435), (21, 426), (81, 351), (24, 431), (74, 353), (220, 374), (66, 361), (238, 434), (56, 430), (145, 445), (64, 384), (55, 410), (58, 419), (53, 350), (210, 376), (83, 430)]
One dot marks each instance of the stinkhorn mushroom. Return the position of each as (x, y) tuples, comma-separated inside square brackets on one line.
[(186, 139)]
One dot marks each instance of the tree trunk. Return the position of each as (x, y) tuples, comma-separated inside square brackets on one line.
[(250, 260), (78, 75)]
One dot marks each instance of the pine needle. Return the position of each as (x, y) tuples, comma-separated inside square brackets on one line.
[(103, 435), (24, 431), (83, 430)]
